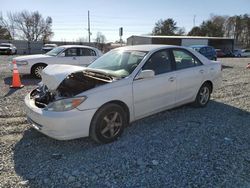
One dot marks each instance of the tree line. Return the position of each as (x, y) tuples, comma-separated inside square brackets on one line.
[(236, 27), (30, 26)]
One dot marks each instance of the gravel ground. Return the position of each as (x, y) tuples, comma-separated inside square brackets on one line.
[(183, 147)]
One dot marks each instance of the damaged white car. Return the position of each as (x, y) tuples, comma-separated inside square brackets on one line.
[(120, 87)]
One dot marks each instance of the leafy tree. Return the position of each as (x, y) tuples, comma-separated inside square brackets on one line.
[(214, 27), (210, 29), (165, 27), (196, 31)]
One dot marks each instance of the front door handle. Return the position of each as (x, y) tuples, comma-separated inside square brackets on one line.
[(171, 79), (201, 71), (74, 58)]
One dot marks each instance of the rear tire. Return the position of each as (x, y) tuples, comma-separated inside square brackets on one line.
[(37, 70), (108, 123), (203, 95)]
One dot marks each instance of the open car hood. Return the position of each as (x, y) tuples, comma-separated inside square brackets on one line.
[(53, 75)]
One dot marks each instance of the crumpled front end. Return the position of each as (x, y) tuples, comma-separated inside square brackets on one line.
[(63, 81), (52, 106)]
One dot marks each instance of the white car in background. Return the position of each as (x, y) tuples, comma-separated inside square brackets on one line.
[(120, 87), (47, 47), (68, 54), (7, 48)]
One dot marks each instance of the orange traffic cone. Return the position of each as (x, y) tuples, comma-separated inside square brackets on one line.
[(16, 82), (248, 66)]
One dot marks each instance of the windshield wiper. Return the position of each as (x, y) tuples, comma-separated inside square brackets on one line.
[(100, 75)]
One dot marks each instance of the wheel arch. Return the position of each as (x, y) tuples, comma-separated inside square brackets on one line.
[(118, 102), (36, 64), (210, 83)]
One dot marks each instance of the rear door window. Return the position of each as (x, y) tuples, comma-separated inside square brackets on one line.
[(184, 59), (86, 52), (71, 52)]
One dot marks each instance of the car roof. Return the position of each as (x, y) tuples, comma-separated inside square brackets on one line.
[(199, 46), (147, 47), (76, 46), (50, 44)]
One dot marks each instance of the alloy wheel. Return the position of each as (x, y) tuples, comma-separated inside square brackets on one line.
[(38, 71), (111, 125), (204, 95)]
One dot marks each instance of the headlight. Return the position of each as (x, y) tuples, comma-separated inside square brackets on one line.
[(22, 62), (65, 104)]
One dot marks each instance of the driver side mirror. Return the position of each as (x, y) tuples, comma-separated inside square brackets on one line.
[(145, 74)]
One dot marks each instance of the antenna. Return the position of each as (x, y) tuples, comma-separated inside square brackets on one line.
[(89, 26), (194, 20)]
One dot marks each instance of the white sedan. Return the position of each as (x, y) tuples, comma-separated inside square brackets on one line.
[(7, 48), (120, 87), (68, 54)]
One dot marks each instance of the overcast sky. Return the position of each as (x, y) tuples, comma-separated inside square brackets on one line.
[(137, 17)]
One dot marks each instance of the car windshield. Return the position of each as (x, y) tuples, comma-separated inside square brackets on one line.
[(118, 63), (5, 45), (55, 51)]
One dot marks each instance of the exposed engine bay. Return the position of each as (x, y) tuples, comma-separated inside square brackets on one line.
[(74, 84)]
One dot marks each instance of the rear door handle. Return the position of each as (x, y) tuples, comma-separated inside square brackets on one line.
[(171, 79), (201, 71), (74, 58)]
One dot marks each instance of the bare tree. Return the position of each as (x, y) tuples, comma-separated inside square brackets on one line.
[(100, 38), (82, 39), (4, 33), (29, 26), (5, 27)]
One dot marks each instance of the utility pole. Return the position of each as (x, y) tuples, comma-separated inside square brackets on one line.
[(120, 34), (89, 26), (194, 20)]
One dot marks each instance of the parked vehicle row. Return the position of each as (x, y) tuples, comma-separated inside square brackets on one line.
[(235, 53), (208, 51), (212, 54), (68, 54), (47, 47), (10, 49), (7, 48), (120, 87)]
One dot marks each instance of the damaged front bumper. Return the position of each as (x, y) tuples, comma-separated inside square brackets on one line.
[(59, 125)]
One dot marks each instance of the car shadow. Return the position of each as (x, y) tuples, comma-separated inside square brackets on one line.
[(26, 80), (205, 138), (226, 67)]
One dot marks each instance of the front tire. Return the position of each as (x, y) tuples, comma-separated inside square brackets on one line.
[(108, 123), (37, 70), (203, 95)]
